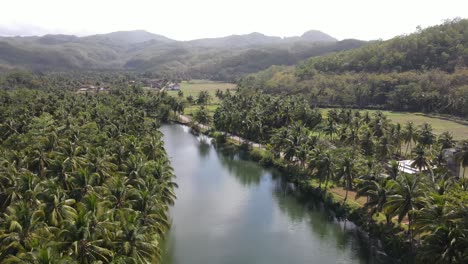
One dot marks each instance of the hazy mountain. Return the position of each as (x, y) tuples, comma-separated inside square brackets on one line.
[(252, 39), (316, 35), (129, 37), (259, 39), (219, 58), (57, 39)]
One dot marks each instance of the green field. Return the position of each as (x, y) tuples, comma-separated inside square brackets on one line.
[(194, 87), (459, 129)]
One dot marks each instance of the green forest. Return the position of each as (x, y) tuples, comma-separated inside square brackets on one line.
[(83, 178), (419, 217), (421, 72)]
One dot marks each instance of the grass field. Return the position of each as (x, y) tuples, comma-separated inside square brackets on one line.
[(459, 129), (194, 87)]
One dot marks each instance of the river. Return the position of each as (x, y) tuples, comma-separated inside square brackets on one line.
[(232, 211)]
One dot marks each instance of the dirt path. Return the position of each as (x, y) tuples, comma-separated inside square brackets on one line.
[(186, 120)]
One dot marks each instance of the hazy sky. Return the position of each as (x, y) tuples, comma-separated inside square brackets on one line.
[(190, 19)]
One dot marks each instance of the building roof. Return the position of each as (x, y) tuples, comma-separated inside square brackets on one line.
[(405, 166)]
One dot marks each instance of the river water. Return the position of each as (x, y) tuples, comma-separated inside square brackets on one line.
[(233, 211)]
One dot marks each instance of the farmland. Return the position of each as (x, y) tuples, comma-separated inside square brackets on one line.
[(194, 87), (459, 129)]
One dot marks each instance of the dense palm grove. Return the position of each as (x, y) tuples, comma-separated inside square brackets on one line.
[(84, 178), (425, 71), (422, 215)]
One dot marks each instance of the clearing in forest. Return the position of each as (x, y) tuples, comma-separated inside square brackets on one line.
[(194, 87), (458, 128)]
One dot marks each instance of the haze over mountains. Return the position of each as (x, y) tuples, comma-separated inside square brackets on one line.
[(216, 58)]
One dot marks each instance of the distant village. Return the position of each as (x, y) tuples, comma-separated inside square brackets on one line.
[(92, 88), (155, 84)]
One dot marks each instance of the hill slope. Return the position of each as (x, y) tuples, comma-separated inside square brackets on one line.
[(225, 58), (425, 71)]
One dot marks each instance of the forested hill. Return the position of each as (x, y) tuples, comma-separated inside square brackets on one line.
[(226, 58), (425, 71), (441, 47)]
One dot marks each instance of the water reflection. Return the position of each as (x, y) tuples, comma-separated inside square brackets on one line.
[(246, 172), (230, 210), (204, 147)]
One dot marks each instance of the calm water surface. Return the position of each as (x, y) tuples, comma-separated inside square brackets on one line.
[(229, 210)]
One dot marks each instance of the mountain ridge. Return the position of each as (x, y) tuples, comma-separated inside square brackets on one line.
[(310, 35), (227, 58)]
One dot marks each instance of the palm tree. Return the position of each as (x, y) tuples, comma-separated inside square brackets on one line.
[(81, 242), (384, 148), (462, 156), (396, 136), (410, 135), (135, 241), (446, 140), (426, 137), (82, 183), (325, 167), (201, 116), (39, 161), (352, 138), (57, 207), (100, 163), (367, 143), (406, 198), (421, 160), (394, 169), (330, 129), (347, 172), (21, 228), (377, 192), (442, 233)]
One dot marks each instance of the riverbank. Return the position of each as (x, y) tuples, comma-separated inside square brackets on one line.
[(230, 209), (351, 209), (258, 152)]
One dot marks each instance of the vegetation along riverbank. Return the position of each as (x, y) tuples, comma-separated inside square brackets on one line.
[(352, 160)]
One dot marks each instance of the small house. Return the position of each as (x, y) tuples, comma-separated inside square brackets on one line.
[(405, 166), (87, 88), (173, 87)]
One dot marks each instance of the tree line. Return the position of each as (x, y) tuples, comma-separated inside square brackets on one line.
[(420, 216)]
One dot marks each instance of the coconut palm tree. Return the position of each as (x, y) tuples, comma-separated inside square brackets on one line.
[(79, 240), (324, 164), (367, 143), (22, 226), (330, 128), (446, 140), (135, 241), (442, 227), (377, 191), (462, 156), (406, 198), (426, 137), (421, 160), (57, 207), (347, 173), (410, 135)]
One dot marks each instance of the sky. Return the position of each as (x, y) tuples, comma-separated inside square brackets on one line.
[(193, 19)]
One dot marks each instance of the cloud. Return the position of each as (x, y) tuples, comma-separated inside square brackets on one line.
[(21, 30), (32, 30), (188, 19)]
